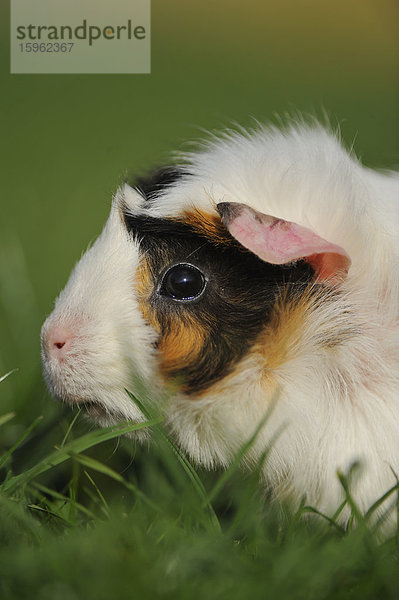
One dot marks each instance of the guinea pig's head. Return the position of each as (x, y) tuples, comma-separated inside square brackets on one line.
[(222, 280)]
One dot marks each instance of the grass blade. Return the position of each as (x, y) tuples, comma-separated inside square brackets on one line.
[(68, 431), (3, 377), (92, 463), (330, 520), (7, 454), (76, 446), (100, 494), (58, 496), (345, 482), (7, 417), (381, 500)]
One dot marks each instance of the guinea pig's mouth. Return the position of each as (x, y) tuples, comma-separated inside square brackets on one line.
[(77, 399), (96, 411)]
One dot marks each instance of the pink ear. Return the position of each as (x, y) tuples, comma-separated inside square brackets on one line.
[(280, 242)]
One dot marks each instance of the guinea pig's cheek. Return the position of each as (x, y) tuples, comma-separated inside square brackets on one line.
[(180, 339), (180, 349), (144, 286)]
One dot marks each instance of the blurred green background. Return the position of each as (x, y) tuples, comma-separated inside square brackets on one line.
[(68, 140)]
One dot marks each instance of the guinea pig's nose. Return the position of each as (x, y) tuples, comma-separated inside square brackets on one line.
[(58, 340)]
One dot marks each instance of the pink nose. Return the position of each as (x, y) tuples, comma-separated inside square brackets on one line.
[(58, 341)]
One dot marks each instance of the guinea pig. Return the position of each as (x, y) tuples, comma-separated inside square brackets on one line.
[(260, 271)]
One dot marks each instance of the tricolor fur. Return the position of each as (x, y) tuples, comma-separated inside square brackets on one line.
[(315, 329)]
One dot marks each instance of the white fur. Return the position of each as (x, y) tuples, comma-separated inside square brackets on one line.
[(111, 337), (335, 405)]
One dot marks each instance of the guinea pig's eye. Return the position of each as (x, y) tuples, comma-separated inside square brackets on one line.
[(183, 282)]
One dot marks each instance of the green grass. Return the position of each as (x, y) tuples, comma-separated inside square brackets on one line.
[(99, 517)]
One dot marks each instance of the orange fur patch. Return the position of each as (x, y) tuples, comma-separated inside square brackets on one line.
[(181, 347), (144, 288), (280, 339), (208, 225)]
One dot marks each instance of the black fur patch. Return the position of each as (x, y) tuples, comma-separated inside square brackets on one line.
[(151, 184), (236, 304)]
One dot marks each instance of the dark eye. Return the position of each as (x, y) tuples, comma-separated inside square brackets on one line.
[(183, 282)]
